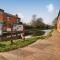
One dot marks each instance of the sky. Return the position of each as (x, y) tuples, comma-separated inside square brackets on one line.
[(46, 9)]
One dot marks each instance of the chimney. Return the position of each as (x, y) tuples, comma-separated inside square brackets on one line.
[(16, 15), (1, 10)]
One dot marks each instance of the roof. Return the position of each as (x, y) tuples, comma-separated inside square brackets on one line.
[(8, 14)]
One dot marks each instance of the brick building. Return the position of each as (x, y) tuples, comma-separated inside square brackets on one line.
[(7, 20), (58, 22)]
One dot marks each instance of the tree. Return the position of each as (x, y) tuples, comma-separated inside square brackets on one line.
[(40, 23), (34, 17), (27, 26), (37, 22)]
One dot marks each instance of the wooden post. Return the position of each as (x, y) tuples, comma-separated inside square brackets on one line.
[(11, 33)]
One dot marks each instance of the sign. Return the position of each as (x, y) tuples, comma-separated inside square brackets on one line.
[(18, 28)]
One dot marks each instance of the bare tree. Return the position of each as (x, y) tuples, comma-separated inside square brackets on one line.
[(37, 22)]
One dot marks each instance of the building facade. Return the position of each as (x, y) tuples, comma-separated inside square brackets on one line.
[(7, 21)]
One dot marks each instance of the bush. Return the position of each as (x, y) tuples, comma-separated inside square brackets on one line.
[(28, 32), (38, 33), (50, 33)]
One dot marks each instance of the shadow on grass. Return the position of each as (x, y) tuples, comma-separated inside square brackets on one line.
[(2, 45)]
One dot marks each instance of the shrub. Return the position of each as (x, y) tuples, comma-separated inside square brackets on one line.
[(38, 33)]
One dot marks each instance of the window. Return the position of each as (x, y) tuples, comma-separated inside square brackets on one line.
[(18, 20), (8, 18)]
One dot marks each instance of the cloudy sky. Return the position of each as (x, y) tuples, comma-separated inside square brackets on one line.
[(47, 9)]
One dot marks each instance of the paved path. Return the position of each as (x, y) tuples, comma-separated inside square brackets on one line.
[(48, 49)]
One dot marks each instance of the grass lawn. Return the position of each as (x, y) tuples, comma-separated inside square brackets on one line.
[(6, 45)]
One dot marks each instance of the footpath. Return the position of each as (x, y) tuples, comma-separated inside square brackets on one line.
[(47, 49)]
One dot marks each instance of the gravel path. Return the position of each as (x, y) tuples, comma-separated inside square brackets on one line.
[(47, 49)]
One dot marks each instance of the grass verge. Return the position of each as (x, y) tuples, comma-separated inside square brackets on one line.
[(6, 45)]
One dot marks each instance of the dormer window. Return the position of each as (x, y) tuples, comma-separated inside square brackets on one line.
[(18, 20)]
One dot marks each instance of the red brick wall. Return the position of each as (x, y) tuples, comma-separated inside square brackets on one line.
[(1, 16), (12, 19)]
